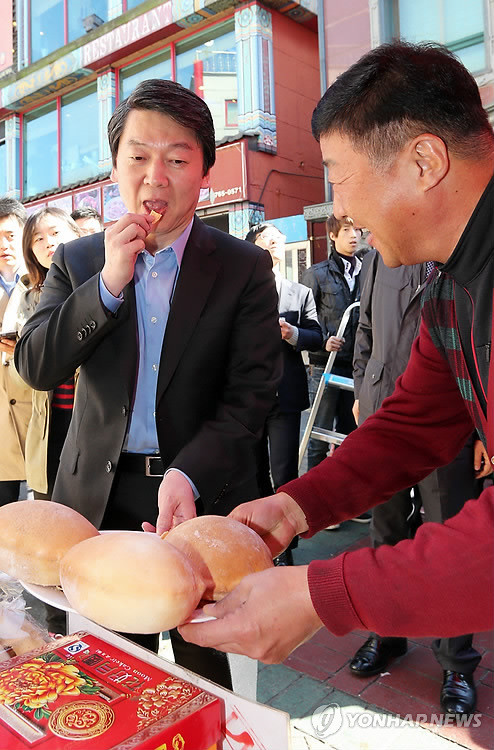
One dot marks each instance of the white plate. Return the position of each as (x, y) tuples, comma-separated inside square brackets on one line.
[(55, 596), (199, 616), (50, 595)]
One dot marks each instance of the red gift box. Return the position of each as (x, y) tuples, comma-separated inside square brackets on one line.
[(82, 689)]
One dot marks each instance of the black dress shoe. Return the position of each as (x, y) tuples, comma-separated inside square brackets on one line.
[(458, 693), (375, 654)]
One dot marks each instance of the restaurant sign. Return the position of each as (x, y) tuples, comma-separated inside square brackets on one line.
[(73, 66), (121, 36)]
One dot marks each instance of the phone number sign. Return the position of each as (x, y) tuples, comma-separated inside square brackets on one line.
[(227, 177)]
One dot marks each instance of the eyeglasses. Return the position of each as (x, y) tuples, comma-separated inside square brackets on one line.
[(270, 236)]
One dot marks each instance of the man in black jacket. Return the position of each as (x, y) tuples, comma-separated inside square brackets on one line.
[(174, 326), (335, 284)]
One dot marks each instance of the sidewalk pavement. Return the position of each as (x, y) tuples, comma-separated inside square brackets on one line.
[(331, 708)]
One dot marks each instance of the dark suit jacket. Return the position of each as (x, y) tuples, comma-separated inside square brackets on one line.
[(219, 369), (297, 306), (389, 322), (332, 296)]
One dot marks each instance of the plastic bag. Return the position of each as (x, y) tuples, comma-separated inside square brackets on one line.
[(11, 593), (19, 632)]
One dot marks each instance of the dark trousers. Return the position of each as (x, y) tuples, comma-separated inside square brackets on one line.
[(277, 458), (134, 499), (9, 492), (442, 495), (277, 454), (59, 425), (334, 413)]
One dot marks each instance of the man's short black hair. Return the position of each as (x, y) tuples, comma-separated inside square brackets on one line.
[(171, 99), (400, 90), (12, 207), (86, 212)]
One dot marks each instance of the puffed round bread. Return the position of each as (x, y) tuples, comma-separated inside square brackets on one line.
[(35, 535), (130, 581), (221, 550)]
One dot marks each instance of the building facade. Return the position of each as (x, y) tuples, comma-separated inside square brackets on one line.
[(353, 27), (65, 65)]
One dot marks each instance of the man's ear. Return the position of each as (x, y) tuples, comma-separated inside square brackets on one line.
[(332, 236), (206, 181), (430, 154), (113, 175)]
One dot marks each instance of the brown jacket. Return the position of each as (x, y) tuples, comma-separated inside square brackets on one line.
[(15, 397)]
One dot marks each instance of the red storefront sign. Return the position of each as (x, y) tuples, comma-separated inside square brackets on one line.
[(228, 177)]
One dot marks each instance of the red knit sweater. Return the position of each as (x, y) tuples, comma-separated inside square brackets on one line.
[(440, 584)]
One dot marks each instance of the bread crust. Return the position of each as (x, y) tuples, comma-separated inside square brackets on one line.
[(221, 550), (131, 582), (35, 535)]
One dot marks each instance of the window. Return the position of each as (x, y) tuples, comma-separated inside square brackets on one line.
[(132, 4), (54, 23), (3, 160), (85, 15), (79, 145), (78, 138), (40, 150), (156, 66), (231, 113), (47, 27), (456, 23), (207, 64)]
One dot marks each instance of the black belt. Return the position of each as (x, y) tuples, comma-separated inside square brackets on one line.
[(138, 463)]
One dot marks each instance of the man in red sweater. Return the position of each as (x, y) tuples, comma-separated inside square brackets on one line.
[(410, 154)]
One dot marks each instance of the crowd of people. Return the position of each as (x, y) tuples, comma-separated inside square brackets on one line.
[(153, 371), (35, 422), (410, 155)]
